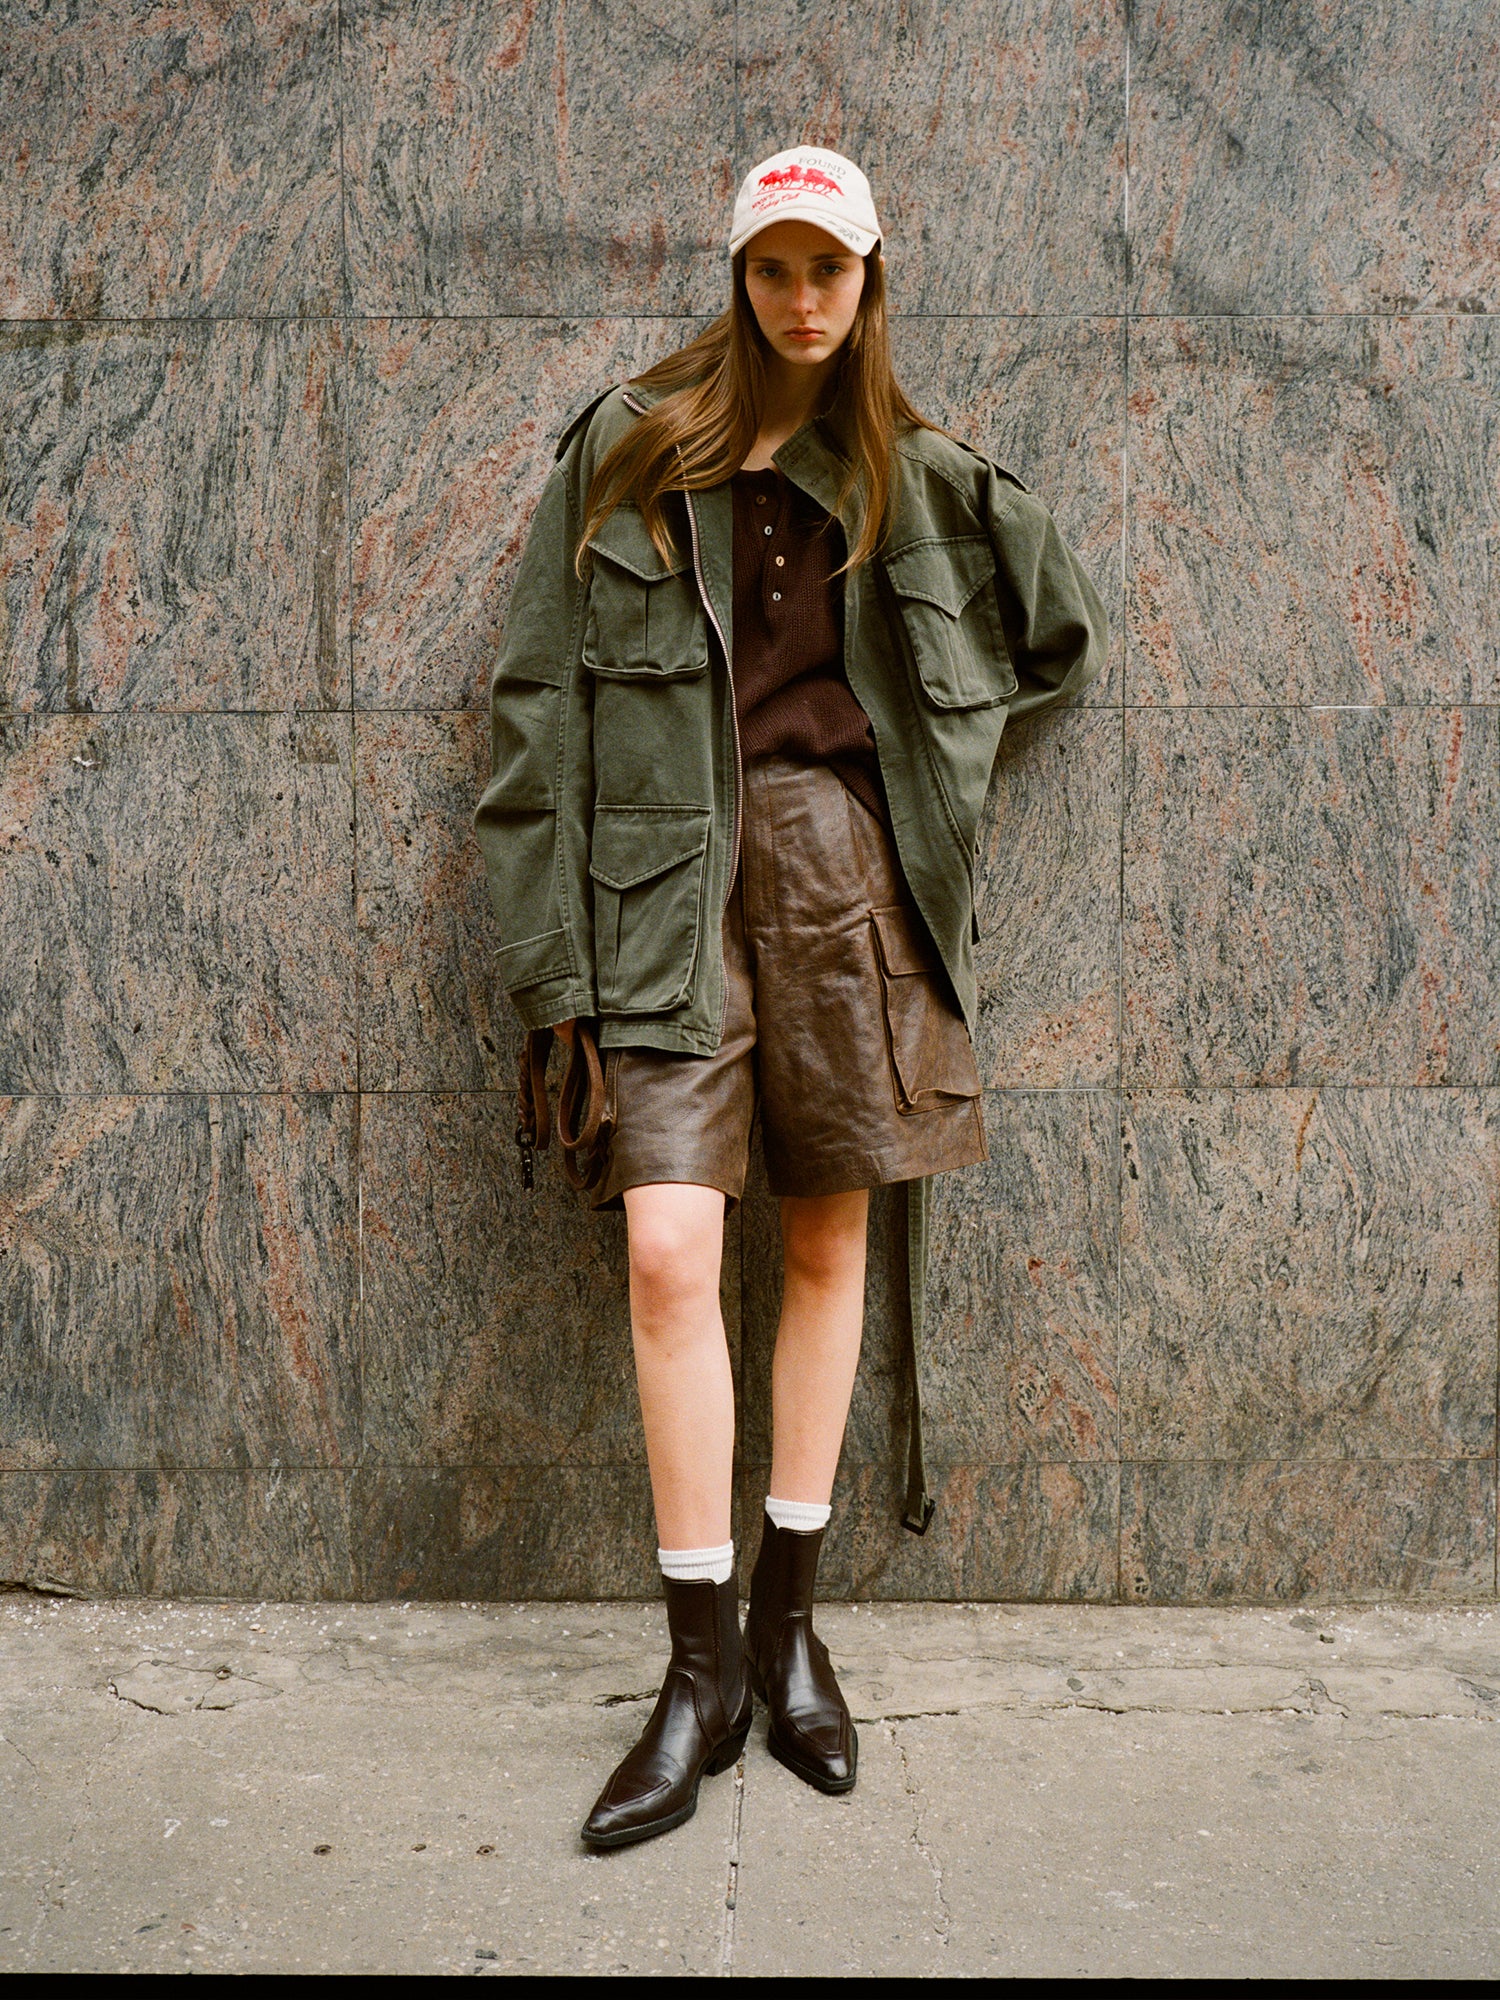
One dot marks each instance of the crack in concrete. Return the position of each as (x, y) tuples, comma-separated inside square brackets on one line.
[(11, 1744), (1021, 1658), (335, 1649), (914, 1714), (221, 1677), (732, 1884), (47, 1900), (944, 1924), (1310, 1697), (1320, 1701), (46, 1904), (146, 1707)]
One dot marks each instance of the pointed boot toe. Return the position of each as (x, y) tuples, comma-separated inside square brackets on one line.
[(697, 1728), (826, 1768), (820, 1744), (811, 1731), (632, 1808)]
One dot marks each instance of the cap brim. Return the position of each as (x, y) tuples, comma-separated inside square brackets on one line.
[(860, 241)]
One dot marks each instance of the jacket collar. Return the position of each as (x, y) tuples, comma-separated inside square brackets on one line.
[(813, 458)]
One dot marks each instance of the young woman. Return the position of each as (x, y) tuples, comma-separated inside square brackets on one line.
[(766, 633)]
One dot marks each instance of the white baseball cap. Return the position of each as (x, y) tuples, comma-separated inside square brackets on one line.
[(810, 184)]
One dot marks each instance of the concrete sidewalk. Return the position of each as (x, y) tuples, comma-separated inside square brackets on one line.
[(352, 1788)]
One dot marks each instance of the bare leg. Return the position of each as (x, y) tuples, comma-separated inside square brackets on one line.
[(682, 1358), (817, 1342), (702, 1715)]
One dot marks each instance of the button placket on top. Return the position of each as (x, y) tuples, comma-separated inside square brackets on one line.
[(775, 541)]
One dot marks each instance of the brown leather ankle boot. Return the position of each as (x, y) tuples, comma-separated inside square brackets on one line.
[(698, 1726), (811, 1731)]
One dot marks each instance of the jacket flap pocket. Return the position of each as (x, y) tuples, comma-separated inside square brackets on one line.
[(633, 843), (932, 1058), (900, 947), (946, 573), (623, 538)]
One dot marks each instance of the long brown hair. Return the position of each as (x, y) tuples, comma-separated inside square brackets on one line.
[(709, 417)]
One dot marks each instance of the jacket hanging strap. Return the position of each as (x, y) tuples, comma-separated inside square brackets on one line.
[(920, 1505), (582, 1130), (533, 1113)]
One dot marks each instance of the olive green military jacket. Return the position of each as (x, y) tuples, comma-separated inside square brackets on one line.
[(611, 822)]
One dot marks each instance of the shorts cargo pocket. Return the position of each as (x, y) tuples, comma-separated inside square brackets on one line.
[(647, 863), (949, 606), (646, 621), (932, 1058)]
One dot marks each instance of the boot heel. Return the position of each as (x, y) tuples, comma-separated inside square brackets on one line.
[(727, 1753)]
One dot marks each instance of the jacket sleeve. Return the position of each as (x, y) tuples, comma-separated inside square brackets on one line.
[(1055, 624), (531, 821)]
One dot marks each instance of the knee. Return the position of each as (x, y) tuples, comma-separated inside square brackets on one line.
[(669, 1264), (824, 1250)]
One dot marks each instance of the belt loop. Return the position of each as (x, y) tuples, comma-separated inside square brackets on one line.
[(920, 1506)]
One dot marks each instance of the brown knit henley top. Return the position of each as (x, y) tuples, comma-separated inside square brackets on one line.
[(792, 697)]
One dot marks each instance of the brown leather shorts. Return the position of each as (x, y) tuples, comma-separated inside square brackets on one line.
[(839, 1021)]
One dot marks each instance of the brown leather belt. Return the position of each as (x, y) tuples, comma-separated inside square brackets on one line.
[(581, 1130)]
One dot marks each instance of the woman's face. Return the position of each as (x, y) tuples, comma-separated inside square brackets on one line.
[(804, 286)]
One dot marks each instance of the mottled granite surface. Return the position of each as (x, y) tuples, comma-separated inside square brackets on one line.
[(171, 157), (177, 903), (1307, 1274), (1312, 158), (432, 1014), (1016, 1531), (294, 301), (1047, 901), (173, 509), (494, 1533), (1210, 1532), (1021, 1359), (179, 1281), (993, 135), (1315, 510), (278, 1532), (1312, 896), (497, 1328), (545, 158), (455, 428)]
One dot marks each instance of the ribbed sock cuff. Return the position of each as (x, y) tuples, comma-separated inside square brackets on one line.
[(697, 1565), (801, 1516)]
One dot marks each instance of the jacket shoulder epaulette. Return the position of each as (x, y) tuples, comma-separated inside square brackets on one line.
[(951, 459), (579, 420)]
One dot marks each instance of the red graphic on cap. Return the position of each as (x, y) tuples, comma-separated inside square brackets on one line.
[(813, 179)]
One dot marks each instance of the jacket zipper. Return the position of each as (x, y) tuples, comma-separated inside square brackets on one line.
[(734, 850)]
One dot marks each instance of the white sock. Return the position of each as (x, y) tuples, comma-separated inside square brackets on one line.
[(801, 1516), (697, 1565)]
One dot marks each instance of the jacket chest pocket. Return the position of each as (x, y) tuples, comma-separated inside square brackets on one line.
[(647, 864), (946, 593), (645, 619)]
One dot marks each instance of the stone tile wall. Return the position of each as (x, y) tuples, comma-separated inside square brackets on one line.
[(295, 297)]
